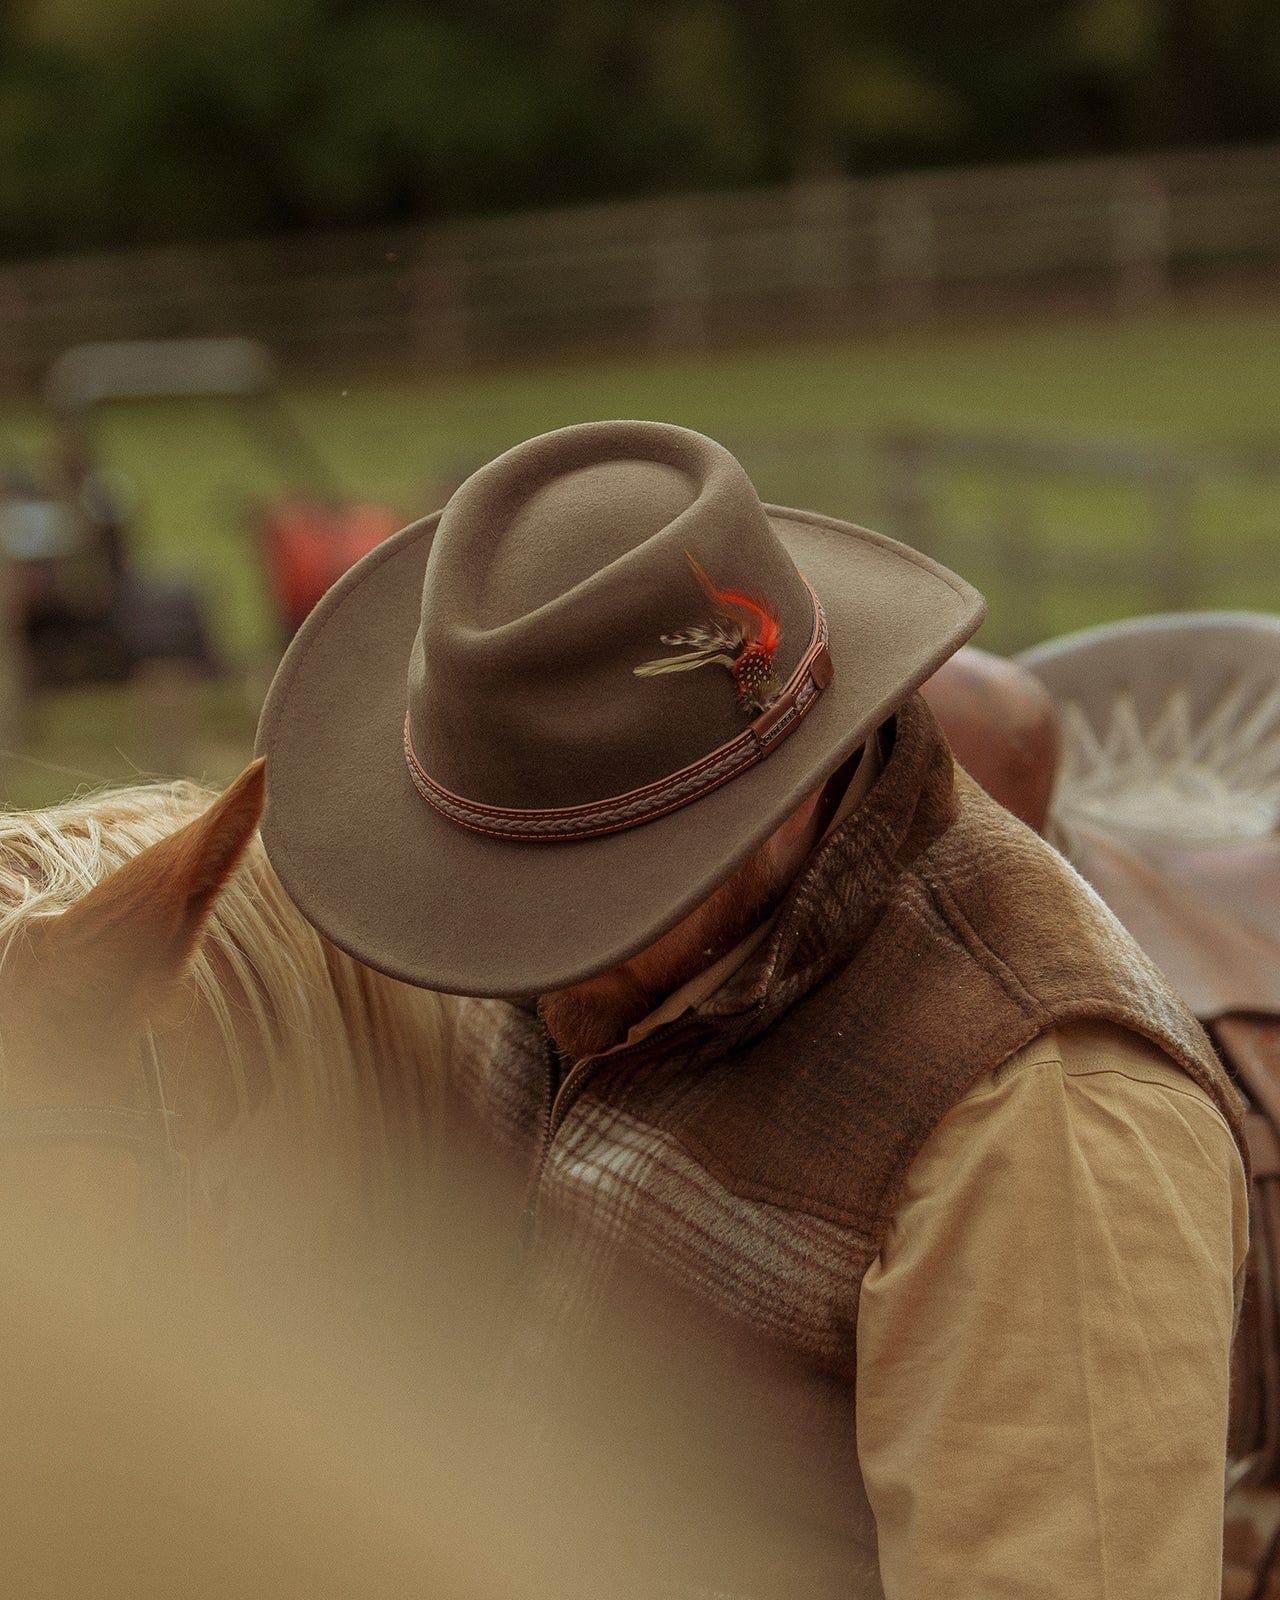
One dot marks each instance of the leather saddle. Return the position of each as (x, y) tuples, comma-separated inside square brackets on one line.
[(1149, 752)]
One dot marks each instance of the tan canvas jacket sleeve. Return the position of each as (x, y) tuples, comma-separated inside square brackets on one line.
[(1043, 1343)]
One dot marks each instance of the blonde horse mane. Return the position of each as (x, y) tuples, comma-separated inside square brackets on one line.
[(335, 1068)]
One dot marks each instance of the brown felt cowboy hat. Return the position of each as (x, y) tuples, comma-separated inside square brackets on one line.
[(529, 734)]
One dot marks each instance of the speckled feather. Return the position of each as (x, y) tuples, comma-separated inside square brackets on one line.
[(742, 638)]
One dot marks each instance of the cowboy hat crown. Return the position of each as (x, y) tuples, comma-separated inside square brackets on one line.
[(528, 734), (555, 576)]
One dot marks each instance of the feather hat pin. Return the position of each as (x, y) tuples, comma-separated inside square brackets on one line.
[(742, 636)]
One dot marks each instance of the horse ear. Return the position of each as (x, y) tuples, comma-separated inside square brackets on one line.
[(134, 932)]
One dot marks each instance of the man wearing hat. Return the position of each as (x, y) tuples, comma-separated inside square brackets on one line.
[(775, 1008)]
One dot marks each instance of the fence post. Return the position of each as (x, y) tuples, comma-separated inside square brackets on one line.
[(441, 312), (1140, 238), (1017, 546), (19, 364), (681, 290), (906, 256), (819, 226), (1175, 574), (12, 675), (904, 468)]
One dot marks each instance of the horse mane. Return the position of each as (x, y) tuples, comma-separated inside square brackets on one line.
[(336, 1069)]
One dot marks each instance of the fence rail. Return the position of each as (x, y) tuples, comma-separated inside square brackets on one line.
[(683, 272), (1166, 554), (1060, 530)]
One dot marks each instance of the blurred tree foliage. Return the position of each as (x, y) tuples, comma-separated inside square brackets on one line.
[(124, 121)]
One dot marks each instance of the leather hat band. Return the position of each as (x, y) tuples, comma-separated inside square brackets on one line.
[(763, 734)]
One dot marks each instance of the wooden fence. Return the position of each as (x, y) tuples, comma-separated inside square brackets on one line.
[(1060, 531), (684, 272), (1065, 531)]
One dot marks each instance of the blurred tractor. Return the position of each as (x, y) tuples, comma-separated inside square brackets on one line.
[(309, 542), (77, 610)]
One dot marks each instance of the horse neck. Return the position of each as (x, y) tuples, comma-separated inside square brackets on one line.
[(335, 1072)]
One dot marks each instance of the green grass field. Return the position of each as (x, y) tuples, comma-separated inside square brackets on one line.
[(1186, 378)]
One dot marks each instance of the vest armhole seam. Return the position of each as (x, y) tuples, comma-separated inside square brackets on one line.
[(1006, 1069)]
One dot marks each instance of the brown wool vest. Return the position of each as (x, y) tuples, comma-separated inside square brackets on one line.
[(749, 1156)]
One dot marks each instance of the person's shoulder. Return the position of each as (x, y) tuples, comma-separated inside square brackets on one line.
[(1112, 1101), (1101, 1060), (1095, 1112)]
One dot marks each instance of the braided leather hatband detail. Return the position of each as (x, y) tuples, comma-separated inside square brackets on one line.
[(814, 671)]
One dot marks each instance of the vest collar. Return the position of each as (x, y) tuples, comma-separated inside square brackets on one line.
[(833, 904)]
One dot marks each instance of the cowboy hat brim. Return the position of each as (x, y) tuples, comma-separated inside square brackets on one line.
[(394, 883)]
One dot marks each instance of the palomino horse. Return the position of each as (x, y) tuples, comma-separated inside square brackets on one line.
[(162, 1003), (169, 1023), (187, 1411)]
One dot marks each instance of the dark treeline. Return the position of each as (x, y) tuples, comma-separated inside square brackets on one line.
[(128, 121)]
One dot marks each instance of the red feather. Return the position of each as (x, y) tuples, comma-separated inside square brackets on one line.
[(765, 629)]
